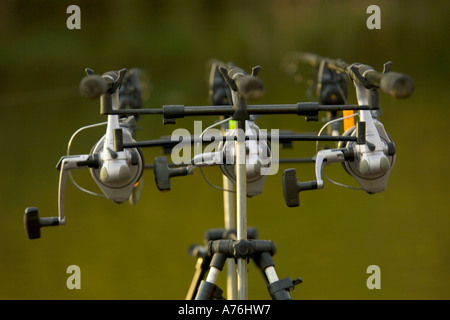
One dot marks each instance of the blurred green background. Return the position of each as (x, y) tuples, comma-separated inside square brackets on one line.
[(140, 252)]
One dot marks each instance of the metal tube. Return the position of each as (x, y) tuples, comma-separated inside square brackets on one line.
[(198, 276), (229, 206), (241, 204), (271, 274), (230, 223), (213, 275)]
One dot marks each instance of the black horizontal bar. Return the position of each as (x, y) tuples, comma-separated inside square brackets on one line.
[(180, 111), (135, 111), (296, 160), (192, 140), (281, 160), (312, 137)]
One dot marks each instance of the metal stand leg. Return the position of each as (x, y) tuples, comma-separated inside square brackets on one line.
[(261, 252), (278, 289), (208, 290), (204, 257), (201, 268), (241, 200), (230, 224)]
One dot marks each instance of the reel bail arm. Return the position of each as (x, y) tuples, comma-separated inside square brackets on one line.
[(32, 221)]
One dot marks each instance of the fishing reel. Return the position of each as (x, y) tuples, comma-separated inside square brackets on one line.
[(369, 158), (229, 85), (243, 87), (375, 158), (258, 161), (117, 171), (258, 158)]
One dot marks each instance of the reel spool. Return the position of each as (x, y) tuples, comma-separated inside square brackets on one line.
[(258, 160), (126, 182), (372, 178)]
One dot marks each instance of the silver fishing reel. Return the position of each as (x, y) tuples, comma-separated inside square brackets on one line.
[(116, 170), (258, 159)]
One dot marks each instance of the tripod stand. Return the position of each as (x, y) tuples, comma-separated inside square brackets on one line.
[(222, 245)]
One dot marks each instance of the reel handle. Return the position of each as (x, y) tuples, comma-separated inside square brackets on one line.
[(292, 187), (163, 173), (33, 222)]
